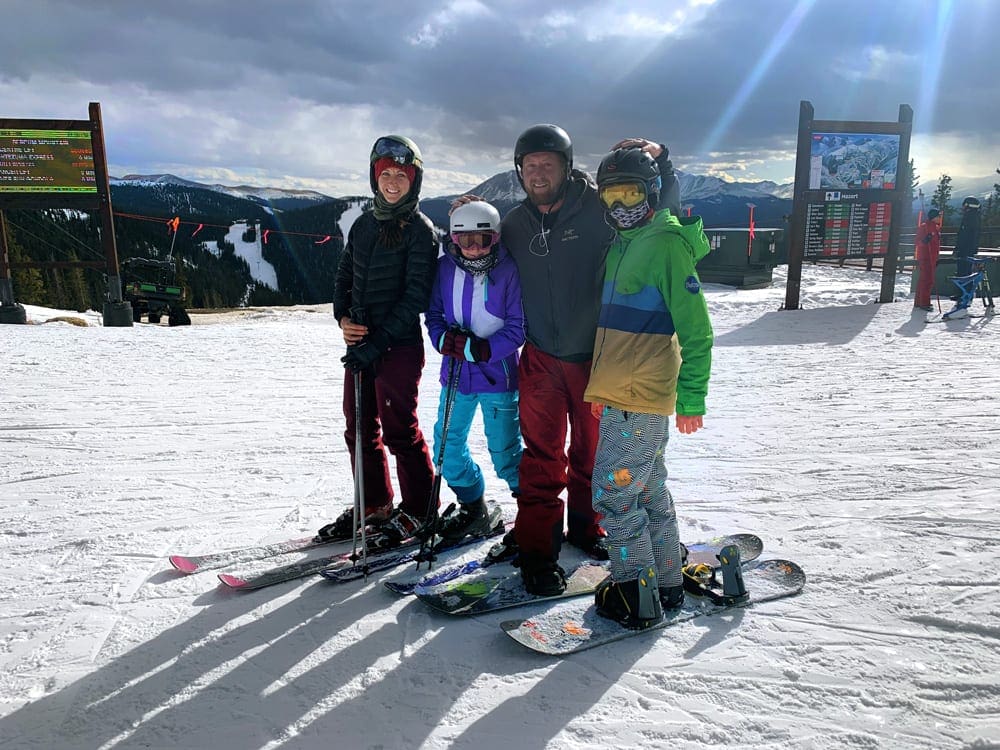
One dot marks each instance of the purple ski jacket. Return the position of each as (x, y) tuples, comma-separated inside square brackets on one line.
[(490, 307)]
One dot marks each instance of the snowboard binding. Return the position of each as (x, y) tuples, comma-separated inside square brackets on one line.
[(702, 580)]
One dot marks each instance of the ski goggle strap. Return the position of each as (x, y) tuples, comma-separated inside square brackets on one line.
[(392, 149), (465, 240), (628, 194)]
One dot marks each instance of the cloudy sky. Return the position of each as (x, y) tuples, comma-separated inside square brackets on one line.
[(292, 94)]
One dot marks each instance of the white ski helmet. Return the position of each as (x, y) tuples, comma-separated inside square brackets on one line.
[(475, 216)]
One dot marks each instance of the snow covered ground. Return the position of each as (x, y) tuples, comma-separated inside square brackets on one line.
[(855, 438)]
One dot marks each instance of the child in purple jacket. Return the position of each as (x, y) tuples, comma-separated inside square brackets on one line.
[(475, 320)]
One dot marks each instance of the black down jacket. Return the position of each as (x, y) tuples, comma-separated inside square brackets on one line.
[(388, 286)]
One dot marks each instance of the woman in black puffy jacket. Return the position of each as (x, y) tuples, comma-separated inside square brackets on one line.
[(383, 284)]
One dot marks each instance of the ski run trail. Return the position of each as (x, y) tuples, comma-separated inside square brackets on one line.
[(855, 438)]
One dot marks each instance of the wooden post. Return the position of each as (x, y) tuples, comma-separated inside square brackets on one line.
[(6, 288), (899, 207), (117, 313), (797, 241), (10, 311)]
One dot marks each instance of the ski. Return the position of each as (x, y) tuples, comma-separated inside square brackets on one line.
[(385, 562), (568, 627), (303, 568), (474, 589), (945, 319), (189, 564)]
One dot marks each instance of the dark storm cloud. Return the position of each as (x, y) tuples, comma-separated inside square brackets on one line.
[(466, 77)]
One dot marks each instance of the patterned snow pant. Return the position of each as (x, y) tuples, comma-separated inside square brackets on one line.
[(630, 490)]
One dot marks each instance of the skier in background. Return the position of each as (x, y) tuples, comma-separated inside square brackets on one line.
[(928, 245), (475, 320), (967, 239), (383, 284)]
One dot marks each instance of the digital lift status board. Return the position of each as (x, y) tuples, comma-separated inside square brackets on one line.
[(47, 161)]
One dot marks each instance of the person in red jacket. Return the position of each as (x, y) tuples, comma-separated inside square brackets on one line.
[(928, 245)]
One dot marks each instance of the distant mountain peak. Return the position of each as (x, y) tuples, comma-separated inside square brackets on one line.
[(261, 194)]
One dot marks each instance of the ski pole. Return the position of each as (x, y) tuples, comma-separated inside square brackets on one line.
[(430, 521), (359, 481), (359, 515)]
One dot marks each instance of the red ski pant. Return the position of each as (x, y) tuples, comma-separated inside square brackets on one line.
[(552, 398), (389, 420), (926, 263)]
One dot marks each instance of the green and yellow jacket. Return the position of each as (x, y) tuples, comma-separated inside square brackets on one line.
[(653, 350)]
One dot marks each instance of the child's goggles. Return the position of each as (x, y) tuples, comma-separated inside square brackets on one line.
[(465, 240), (628, 194)]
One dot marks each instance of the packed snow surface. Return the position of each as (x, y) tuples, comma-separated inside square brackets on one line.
[(855, 438)]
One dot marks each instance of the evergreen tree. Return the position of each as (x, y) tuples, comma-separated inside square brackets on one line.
[(991, 210), (942, 198), (29, 288)]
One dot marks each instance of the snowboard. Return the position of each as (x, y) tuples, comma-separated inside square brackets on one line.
[(377, 560), (487, 589), (568, 627)]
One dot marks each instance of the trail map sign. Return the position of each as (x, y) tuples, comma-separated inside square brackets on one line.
[(851, 182)]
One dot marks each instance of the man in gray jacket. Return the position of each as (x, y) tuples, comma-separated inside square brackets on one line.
[(558, 237)]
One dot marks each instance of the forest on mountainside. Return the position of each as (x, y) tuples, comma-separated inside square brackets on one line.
[(205, 263)]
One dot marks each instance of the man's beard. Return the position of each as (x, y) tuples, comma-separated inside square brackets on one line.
[(543, 196)]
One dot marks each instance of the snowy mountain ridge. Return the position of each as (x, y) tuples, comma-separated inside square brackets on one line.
[(264, 194)]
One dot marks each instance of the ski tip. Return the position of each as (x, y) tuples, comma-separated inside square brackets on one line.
[(183, 564), (232, 581)]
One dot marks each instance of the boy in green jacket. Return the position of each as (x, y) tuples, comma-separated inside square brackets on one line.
[(652, 358)]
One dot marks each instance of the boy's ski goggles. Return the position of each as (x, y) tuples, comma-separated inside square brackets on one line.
[(465, 240), (628, 194), (395, 150)]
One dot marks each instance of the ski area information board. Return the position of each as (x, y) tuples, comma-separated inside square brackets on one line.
[(846, 228), (47, 161), (851, 196)]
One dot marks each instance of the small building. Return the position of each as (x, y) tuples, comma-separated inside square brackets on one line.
[(738, 261)]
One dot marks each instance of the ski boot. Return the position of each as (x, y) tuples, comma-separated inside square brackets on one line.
[(340, 529), (506, 550), (635, 604), (477, 518), (542, 576), (671, 597), (394, 530)]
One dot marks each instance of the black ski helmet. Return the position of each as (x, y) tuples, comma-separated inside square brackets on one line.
[(971, 202), (542, 137), (402, 150), (630, 165)]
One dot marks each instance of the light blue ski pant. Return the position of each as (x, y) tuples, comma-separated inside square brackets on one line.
[(503, 440), (630, 490)]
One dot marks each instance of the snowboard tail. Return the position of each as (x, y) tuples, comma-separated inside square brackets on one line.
[(569, 627)]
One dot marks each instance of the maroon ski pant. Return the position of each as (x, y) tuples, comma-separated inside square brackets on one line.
[(551, 399), (389, 420)]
